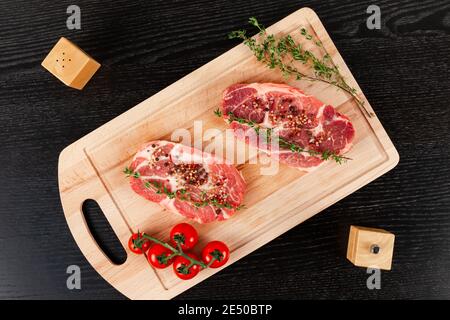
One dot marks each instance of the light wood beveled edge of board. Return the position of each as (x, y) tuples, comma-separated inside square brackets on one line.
[(126, 278)]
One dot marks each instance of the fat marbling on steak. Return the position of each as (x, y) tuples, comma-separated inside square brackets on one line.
[(192, 183), (297, 118)]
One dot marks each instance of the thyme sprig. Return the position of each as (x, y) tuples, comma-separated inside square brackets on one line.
[(283, 143), (275, 51), (130, 173), (181, 194)]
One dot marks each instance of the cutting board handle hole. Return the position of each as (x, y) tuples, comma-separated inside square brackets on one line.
[(102, 232)]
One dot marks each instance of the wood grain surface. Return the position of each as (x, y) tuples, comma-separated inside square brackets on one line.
[(143, 47)]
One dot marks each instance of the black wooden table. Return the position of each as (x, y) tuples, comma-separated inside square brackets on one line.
[(144, 46)]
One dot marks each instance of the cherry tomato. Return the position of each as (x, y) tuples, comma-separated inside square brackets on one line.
[(216, 250), (158, 256), (144, 247), (181, 267), (185, 234)]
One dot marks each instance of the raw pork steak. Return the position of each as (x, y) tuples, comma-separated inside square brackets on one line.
[(194, 184), (295, 117)]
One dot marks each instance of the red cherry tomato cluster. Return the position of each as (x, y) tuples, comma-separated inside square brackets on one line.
[(183, 238)]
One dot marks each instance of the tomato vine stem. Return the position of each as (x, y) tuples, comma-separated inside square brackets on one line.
[(176, 252)]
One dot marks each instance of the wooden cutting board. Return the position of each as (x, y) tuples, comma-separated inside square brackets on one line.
[(91, 168)]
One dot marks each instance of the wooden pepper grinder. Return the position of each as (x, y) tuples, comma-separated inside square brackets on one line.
[(370, 248)]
